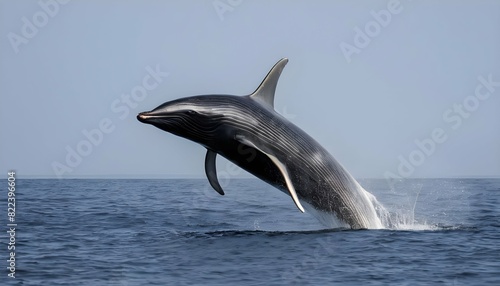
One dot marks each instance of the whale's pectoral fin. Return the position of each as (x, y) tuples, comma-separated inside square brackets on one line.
[(265, 91), (211, 171), (281, 167)]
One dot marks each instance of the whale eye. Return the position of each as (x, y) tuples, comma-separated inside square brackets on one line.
[(191, 112)]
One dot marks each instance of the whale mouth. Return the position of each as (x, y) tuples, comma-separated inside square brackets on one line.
[(149, 117), (144, 117)]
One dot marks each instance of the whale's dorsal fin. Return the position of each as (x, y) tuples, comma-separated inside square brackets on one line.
[(281, 167), (211, 171), (265, 91)]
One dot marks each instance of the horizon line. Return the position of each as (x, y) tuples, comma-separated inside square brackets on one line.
[(172, 177)]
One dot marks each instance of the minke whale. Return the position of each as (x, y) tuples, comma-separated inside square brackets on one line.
[(250, 133)]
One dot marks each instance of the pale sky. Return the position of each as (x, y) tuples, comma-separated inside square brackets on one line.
[(369, 80)]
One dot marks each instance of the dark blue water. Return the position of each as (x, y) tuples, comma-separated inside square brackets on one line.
[(180, 232)]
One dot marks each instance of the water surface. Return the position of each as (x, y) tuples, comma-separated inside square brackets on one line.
[(181, 232)]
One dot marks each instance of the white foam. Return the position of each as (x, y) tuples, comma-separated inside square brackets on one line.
[(329, 220), (400, 220), (380, 218)]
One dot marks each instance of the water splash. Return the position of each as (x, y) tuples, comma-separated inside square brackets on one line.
[(401, 215), (329, 220), (401, 219)]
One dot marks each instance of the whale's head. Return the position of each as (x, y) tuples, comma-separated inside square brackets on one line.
[(196, 118), (212, 119)]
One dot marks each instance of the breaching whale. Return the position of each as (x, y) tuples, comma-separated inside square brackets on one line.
[(250, 133)]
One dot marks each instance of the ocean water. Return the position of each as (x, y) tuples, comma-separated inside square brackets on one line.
[(181, 232)]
